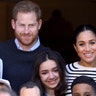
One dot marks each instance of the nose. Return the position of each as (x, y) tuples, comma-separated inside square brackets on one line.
[(26, 30), (87, 48), (51, 75)]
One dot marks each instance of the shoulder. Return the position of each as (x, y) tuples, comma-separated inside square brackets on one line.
[(72, 66), (42, 48), (8, 42), (6, 46), (45, 47)]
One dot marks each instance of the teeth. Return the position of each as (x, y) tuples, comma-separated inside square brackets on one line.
[(52, 81), (88, 55)]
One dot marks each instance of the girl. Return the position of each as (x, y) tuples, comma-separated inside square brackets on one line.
[(49, 73)]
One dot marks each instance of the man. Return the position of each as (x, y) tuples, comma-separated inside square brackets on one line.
[(30, 89), (18, 55)]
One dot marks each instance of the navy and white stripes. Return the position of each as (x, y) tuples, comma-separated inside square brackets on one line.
[(74, 70)]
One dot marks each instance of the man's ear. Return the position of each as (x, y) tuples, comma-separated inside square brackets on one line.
[(40, 24), (13, 23)]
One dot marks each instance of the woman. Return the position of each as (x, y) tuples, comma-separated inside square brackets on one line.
[(49, 73), (84, 42)]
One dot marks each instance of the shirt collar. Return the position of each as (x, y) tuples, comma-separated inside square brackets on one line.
[(36, 45)]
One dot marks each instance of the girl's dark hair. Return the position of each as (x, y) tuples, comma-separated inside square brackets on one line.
[(51, 55), (82, 28)]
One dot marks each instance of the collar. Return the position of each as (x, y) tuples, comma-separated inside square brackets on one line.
[(36, 45)]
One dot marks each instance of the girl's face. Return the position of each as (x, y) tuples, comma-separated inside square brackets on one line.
[(86, 46), (49, 74)]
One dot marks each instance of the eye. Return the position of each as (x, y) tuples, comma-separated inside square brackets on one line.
[(87, 94), (93, 42), (76, 94), (31, 25), (44, 72), (56, 70), (21, 25), (81, 44)]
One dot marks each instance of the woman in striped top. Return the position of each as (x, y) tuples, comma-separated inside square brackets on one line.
[(84, 42)]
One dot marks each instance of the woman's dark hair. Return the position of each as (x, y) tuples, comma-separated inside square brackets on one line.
[(82, 28), (51, 55)]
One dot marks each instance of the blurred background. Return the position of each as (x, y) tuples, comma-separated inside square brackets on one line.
[(60, 18)]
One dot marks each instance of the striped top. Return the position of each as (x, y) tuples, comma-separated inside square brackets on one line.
[(74, 70)]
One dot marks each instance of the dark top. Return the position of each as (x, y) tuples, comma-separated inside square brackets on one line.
[(17, 64)]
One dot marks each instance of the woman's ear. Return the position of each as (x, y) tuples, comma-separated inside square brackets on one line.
[(75, 47)]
